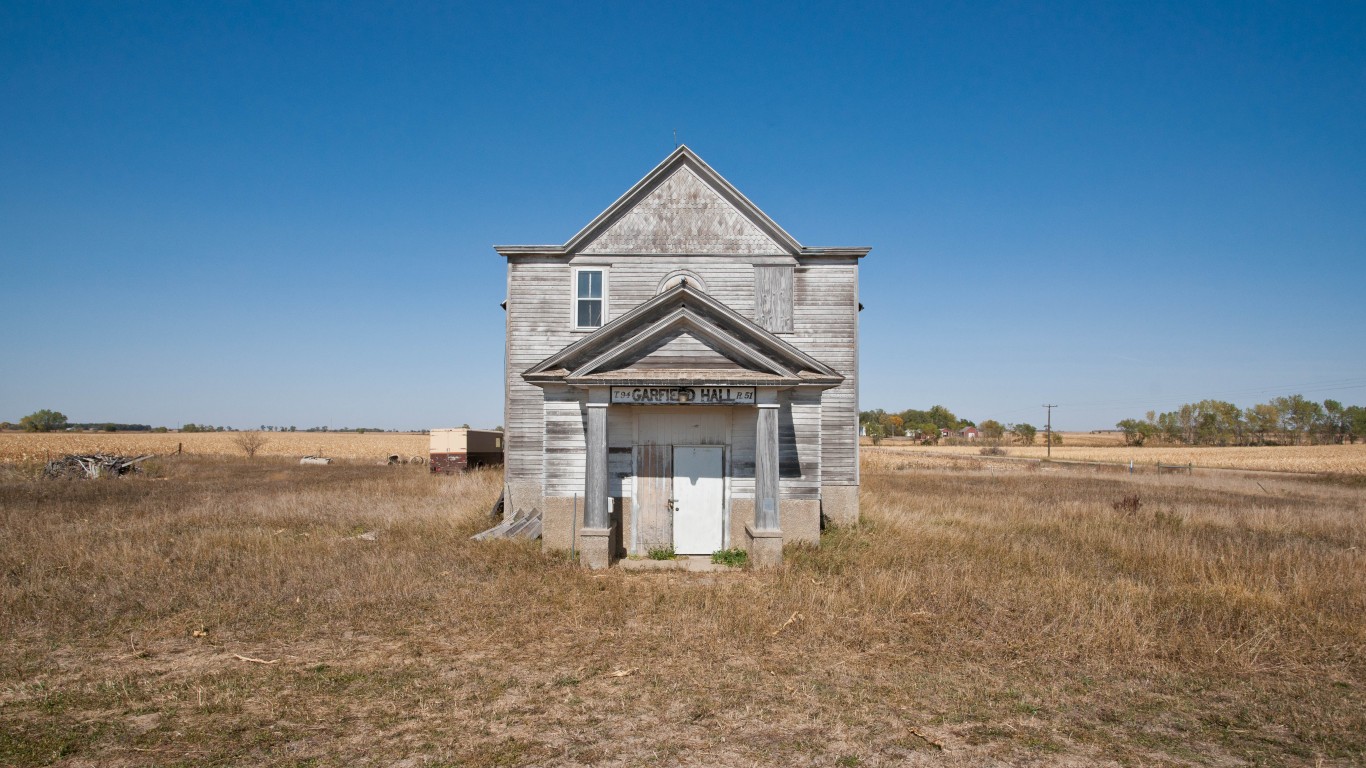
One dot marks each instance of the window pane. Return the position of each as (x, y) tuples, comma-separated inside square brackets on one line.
[(590, 313), (590, 284)]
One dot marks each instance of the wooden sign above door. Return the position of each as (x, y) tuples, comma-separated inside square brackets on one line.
[(683, 395)]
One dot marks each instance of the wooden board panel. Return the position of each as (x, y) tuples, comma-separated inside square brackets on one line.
[(773, 298), (654, 523)]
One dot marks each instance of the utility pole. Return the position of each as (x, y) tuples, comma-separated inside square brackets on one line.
[(1048, 431)]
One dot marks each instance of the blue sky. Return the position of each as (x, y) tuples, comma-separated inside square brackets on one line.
[(262, 213)]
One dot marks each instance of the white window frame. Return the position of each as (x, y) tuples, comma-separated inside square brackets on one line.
[(574, 297)]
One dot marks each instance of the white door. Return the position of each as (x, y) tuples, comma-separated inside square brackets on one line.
[(698, 499)]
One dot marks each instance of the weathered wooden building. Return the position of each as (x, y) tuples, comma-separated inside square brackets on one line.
[(683, 372)]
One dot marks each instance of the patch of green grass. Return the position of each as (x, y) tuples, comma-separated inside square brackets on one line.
[(734, 557), (665, 552), (46, 740)]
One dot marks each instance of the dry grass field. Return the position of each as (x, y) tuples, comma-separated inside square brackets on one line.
[(1339, 459), (222, 611), (25, 447)]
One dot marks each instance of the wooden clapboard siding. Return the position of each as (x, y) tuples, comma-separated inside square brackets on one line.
[(537, 327), (825, 326), (636, 279), (565, 427), (799, 444), (621, 428), (743, 423), (773, 297)]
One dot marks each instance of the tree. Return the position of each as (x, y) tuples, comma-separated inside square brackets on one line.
[(250, 442), (1355, 417), (991, 429), (943, 417), (1024, 433), (1299, 417), (43, 421), (1335, 424), (1262, 420), (1135, 431)]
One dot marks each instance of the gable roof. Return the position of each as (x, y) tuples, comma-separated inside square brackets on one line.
[(682, 206), (757, 356)]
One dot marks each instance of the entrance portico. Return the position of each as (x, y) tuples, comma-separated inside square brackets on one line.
[(683, 403)]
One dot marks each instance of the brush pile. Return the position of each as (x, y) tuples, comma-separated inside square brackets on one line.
[(76, 466)]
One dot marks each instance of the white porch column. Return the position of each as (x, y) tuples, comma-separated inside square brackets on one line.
[(595, 468), (765, 536), (595, 538)]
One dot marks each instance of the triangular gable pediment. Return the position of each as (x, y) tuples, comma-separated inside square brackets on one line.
[(682, 349), (682, 333), (683, 206), (684, 215)]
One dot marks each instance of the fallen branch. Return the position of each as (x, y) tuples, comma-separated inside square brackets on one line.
[(920, 735), (240, 657), (793, 619)]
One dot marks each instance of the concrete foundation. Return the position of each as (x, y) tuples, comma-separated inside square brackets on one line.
[(741, 516), (596, 547), (557, 523), (839, 505), (765, 547), (523, 496), (801, 521)]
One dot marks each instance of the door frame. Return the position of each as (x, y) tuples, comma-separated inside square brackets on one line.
[(633, 547), (725, 482)]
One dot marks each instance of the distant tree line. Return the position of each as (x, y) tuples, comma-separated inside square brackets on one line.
[(878, 423), (1291, 420), (926, 426), (55, 421), (109, 426)]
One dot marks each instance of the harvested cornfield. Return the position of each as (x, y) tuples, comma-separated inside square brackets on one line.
[(26, 448), (1336, 459)]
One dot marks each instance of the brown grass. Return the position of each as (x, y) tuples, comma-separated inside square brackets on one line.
[(1338, 459), (32, 447), (973, 618)]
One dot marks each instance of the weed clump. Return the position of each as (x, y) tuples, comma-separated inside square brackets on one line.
[(665, 552), (734, 557), (1128, 506)]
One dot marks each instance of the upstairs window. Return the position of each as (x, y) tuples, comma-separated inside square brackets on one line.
[(590, 297)]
